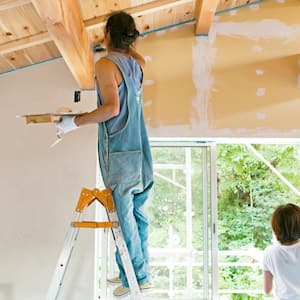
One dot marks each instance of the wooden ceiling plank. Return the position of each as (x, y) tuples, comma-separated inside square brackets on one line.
[(145, 23), (65, 26), (184, 13), (17, 59), (8, 4), (42, 52), (23, 43), (20, 23), (204, 15), (136, 11), (96, 36), (164, 17), (5, 64), (49, 11), (225, 4), (52, 49)]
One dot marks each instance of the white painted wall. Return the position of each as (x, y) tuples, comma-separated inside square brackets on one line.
[(40, 186)]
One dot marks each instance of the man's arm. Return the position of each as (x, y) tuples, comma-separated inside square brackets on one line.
[(107, 82)]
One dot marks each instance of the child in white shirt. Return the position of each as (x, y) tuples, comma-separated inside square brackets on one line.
[(281, 261)]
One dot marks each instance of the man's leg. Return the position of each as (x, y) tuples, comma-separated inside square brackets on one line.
[(123, 198), (142, 222)]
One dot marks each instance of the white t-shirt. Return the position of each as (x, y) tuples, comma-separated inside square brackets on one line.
[(283, 262)]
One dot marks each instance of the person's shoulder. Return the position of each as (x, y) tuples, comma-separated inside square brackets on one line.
[(104, 62), (269, 248), (105, 66)]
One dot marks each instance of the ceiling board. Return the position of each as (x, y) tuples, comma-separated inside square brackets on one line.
[(145, 22), (43, 52), (19, 22), (113, 5), (29, 41), (184, 12), (164, 17), (92, 9), (9, 4), (226, 4), (18, 59), (5, 65)]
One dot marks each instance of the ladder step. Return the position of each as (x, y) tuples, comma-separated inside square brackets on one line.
[(88, 224)]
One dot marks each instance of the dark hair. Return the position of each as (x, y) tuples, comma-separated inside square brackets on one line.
[(285, 223), (121, 27)]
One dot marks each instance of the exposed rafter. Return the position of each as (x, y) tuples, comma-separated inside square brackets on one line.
[(204, 14), (7, 4), (66, 28)]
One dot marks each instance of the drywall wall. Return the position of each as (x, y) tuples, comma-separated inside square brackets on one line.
[(240, 81), (40, 186)]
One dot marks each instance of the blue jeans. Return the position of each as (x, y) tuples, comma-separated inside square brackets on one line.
[(129, 202)]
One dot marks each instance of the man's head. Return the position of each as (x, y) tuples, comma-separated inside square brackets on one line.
[(122, 31)]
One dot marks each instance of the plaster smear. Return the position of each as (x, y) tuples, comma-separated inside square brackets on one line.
[(260, 72), (147, 58), (148, 82), (265, 29), (160, 32), (147, 103), (254, 7), (260, 116), (204, 56), (233, 12), (257, 48), (260, 92)]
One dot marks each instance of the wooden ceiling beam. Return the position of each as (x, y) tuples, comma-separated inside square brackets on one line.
[(65, 25), (138, 10), (7, 4), (204, 15)]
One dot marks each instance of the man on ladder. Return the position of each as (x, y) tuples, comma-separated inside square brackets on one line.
[(124, 151)]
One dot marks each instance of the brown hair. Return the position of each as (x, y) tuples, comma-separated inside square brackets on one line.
[(285, 223), (123, 32)]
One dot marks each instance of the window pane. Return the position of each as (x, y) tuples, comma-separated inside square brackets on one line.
[(176, 223)]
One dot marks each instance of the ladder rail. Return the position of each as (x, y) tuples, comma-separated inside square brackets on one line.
[(63, 261), (86, 198), (135, 292)]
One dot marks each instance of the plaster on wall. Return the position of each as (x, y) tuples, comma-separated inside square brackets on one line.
[(169, 92), (245, 76)]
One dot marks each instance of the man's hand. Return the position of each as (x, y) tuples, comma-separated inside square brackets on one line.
[(66, 124)]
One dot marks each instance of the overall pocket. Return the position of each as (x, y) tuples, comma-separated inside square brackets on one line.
[(124, 167)]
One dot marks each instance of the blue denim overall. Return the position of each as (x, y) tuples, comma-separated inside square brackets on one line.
[(126, 166)]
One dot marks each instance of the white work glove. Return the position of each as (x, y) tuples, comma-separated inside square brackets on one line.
[(66, 125)]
